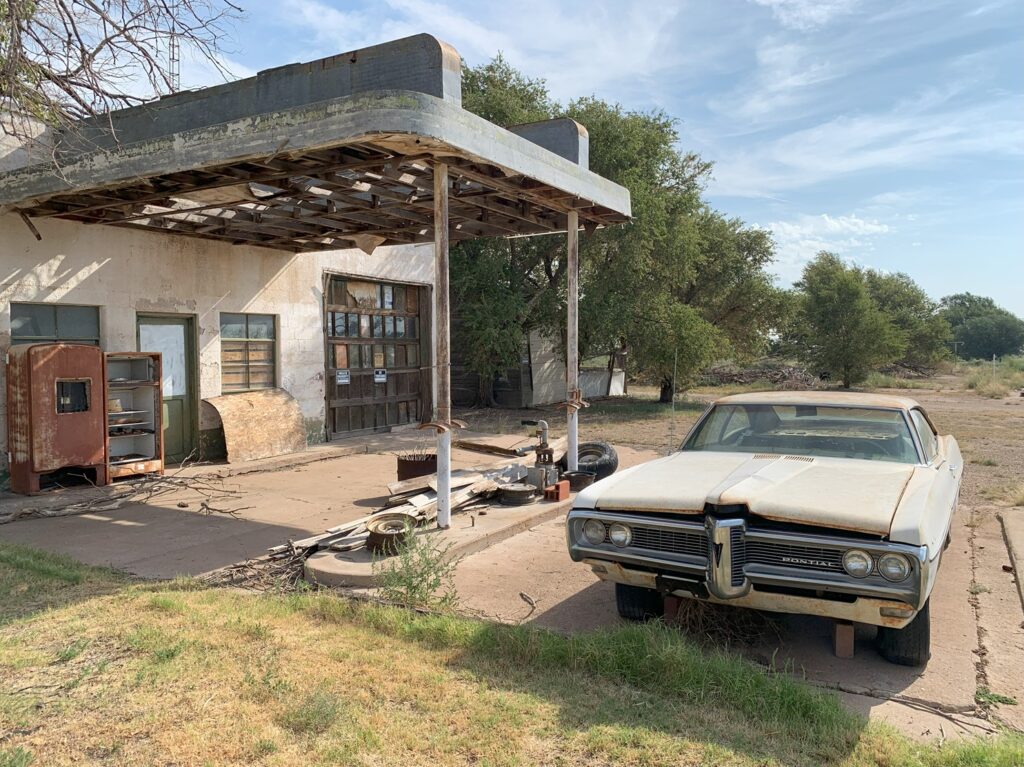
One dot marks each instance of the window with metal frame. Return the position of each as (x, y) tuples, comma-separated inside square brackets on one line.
[(929, 442), (49, 323), (248, 352)]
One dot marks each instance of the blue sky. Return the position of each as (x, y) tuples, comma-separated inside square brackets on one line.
[(891, 133)]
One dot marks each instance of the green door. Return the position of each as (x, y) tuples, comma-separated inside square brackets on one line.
[(173, 337)]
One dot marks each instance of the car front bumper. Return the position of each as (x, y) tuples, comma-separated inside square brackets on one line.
[(728, 562)]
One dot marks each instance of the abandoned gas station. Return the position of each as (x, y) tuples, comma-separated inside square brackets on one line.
[(352, 175)]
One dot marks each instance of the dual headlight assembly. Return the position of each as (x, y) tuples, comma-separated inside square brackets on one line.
[(856, 562), (860, 564), (596, 532)]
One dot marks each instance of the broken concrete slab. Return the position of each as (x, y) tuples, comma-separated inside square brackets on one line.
[(1012, 521)]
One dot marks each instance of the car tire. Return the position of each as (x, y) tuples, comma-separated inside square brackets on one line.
[(597, 457), (910, 645), (638, 604)]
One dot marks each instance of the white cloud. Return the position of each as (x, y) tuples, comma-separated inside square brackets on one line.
[(804, 15), (909, 135), (799, 240)]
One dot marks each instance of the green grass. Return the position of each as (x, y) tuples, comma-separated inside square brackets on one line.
[(175, 673), (15, 757), (886, 381), (313, 715), (32, 580), (986, 697)]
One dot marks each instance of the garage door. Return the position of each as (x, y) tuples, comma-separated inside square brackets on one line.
[(377, 355)]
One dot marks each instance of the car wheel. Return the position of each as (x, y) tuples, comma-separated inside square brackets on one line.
[(638, 604), (910, 645), (598, 457)]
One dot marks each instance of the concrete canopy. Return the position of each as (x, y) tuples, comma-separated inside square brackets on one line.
[(325, 155)]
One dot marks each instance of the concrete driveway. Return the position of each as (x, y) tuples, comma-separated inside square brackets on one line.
[(289, 497), (938, 700)]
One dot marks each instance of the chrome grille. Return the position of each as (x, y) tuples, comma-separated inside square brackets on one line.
[(738, 544), (672, 541), (817, 558)]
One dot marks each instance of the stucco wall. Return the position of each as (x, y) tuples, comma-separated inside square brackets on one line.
[(126, 272)]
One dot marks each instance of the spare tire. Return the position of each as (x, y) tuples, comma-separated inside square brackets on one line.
[(386, 532), (597, 457)]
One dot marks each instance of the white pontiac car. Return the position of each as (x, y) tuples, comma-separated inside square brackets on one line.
[(824, 503)]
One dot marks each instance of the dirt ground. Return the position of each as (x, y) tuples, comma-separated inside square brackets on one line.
[(978, 620)]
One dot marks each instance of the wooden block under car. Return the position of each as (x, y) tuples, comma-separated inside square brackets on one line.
[(842, 639)]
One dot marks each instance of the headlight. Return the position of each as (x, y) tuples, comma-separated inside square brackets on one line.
[(620, 535), (894, 567), (858, 563), (593, 531)]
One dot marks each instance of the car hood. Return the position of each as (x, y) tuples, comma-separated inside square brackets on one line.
[(840, 493)]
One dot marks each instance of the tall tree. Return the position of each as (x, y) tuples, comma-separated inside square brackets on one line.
[(925, 331), (681, 283), (981, 328), (838, 327), (62, 60)]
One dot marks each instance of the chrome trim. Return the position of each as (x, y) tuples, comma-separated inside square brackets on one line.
[(717, 569), (719, 578)]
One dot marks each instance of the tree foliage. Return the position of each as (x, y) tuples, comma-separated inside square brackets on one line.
[(981, 327), (679, 286), (924, 331), (62, 60), (838, 327)]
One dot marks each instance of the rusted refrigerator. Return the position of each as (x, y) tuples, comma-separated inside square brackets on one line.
[(56, 413)]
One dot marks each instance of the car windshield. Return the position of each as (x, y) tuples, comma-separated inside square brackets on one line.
[(810, 430)]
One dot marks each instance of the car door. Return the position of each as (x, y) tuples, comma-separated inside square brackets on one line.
[(943, 456)]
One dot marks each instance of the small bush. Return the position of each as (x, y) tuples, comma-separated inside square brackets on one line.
[(15, 757), (420, 574), (314, 715)]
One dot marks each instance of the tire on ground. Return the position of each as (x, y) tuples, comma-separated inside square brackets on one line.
[(386, 534), (910, 645), (598, 457), (638, 604)]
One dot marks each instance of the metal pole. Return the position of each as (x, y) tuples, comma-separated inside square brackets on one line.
[(442, 361), (572, 368)]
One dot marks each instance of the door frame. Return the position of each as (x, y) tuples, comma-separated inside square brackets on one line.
[(191, 358)]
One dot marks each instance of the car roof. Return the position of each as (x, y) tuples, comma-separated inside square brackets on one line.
[(846, 398)]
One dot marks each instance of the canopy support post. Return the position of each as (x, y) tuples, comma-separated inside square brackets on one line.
[(572, 369), (442, 352)]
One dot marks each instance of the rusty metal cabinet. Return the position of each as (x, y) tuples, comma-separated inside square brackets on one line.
[(56, 413), (134, 414)]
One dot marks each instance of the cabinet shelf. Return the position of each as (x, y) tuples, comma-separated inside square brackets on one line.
[(134, 410)]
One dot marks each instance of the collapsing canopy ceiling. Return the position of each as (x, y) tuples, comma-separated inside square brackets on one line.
[(356, 170)]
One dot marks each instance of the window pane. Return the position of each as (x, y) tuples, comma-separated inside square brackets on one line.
[(364, 293), (261, 351), (389, 356), (336, 294), (389, 327), (232, 352), (399, 327), (232, 378), (78, 322), (232, 325), (261, 326), (388, 301), (378, 326), (33, 320), (413, 353), (364, 325), (353, 325), (399, 298), (412, 300), (412, 328), (261, 378), (378, 356)]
